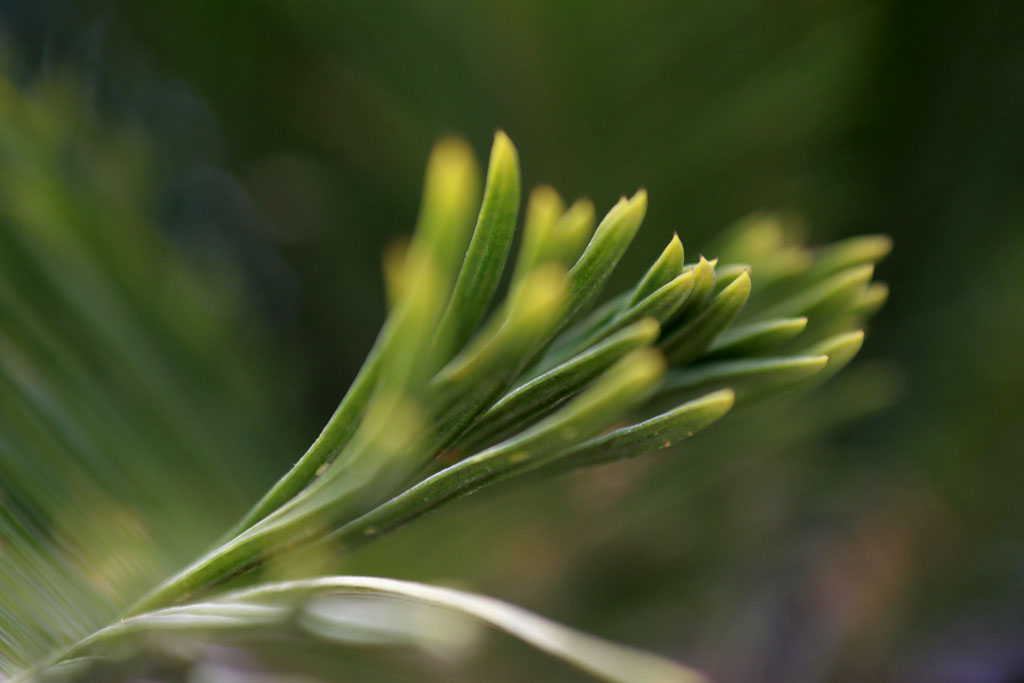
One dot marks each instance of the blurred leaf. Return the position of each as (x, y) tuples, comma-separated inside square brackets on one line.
[(323, 608)]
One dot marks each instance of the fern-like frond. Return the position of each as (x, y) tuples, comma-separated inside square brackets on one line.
[(459, 391)]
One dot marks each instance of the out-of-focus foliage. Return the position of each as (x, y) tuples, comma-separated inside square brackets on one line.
[(885, 547), (107, 345)]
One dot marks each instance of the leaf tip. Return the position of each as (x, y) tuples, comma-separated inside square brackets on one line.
[(720, 402), (674, 251), (740, 287), (647, 329), (546, 199), (645, 365), (503, 154)]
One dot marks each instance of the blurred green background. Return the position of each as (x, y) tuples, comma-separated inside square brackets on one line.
[(870, 532)]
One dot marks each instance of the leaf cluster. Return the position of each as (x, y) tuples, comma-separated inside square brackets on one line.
[(464, 388)]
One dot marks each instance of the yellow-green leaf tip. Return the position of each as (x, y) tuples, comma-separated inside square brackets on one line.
[(717, 403), (645, 365), (639, 200), (452, 173), (647, 329), (545, 200), (503, 153), (738, 288), (675, 245), (543, 290), (581, 211), (843, 347), (876, 247)]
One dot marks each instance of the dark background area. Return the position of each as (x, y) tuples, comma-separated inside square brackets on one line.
[(288, 140)]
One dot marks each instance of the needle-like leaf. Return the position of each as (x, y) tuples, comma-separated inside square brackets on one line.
[(651, 435), (750, 377), (754, 339), (538, 396), (840, 350), (624, 386), (703, 285), (833, 296), (848, 253), (660, 305), (449, 193), (871, 300), (573, 231), (470, 382), (666, 268), (541, 234), (689, 342), (606, 247), (489, 246)]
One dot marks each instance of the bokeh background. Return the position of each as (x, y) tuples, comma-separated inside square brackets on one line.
[(871, 532)]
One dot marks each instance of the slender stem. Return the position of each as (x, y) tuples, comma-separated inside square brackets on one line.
[(332, 439), (308, 516)]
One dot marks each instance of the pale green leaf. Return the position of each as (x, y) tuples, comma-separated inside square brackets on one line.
[(541, 243), (319, 606)]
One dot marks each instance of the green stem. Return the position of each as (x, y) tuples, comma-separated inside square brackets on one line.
[(332, 439), (308, 516)]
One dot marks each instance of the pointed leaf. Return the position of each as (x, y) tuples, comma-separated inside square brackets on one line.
[(688, 343), (540, 395), (660, 305), (755, 338), (489, 363), (573, 230), (827, 299), (621, 388), (602, 254), (540, 244), (855, 251), (489, 246), (840, 350), (871, 300), (748, 377), (449, 193), (648, 436), (725, 275), (703, 286), (666, 268)]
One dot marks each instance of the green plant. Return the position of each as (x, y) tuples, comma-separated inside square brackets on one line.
[(457, 393)]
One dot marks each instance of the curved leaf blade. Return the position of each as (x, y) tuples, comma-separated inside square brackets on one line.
[(274, 603)]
